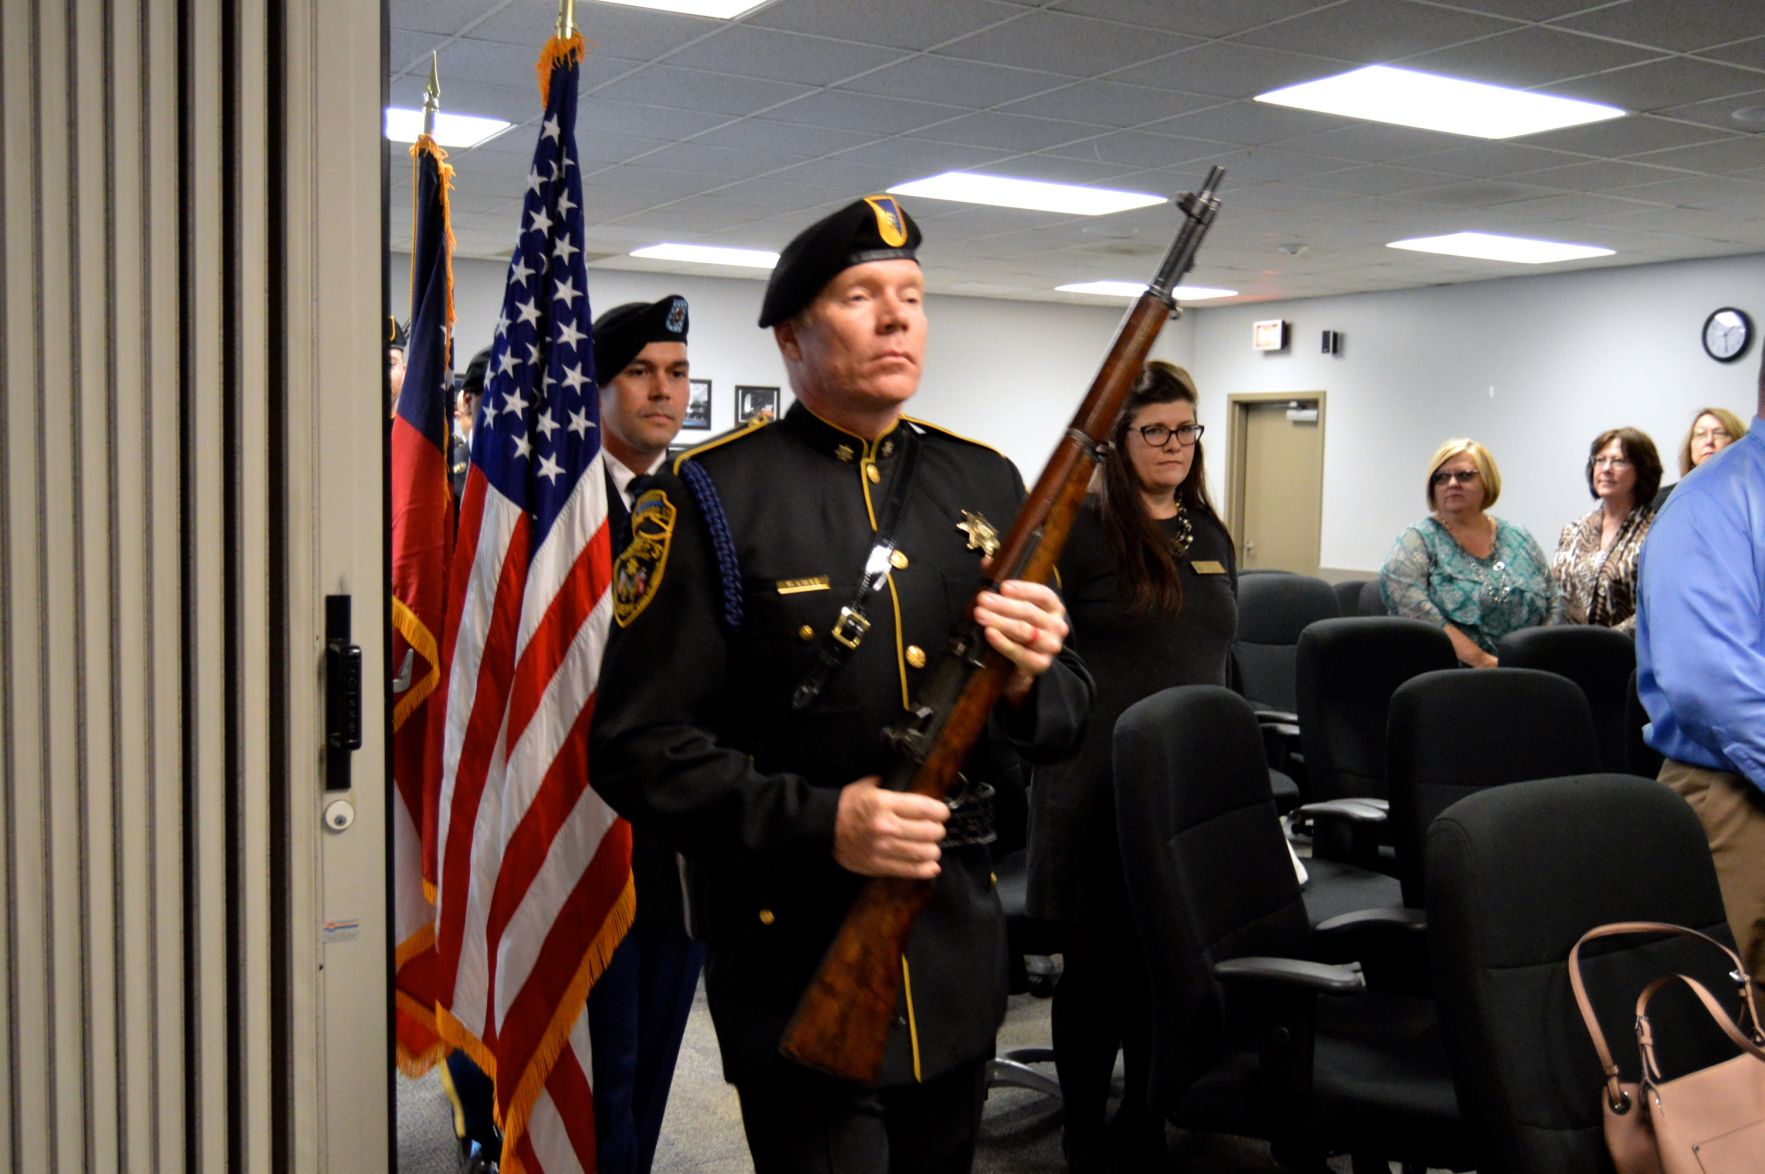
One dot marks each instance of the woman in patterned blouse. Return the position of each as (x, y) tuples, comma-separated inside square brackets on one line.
[(1475, 575), (1595, 567)]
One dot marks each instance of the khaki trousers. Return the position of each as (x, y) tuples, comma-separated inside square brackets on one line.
[(1732, 811)]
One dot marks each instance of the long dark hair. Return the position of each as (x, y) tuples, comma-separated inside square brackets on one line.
[(1148, 569)]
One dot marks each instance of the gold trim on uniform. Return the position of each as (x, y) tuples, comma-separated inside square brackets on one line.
[(637, 574), (981, 535), (845, 452), (805, 633), (767, 917), (872, 473), (898, 560), (916, 656), (798, 586), (1208, 566)]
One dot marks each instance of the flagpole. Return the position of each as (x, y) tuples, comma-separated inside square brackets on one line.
[(431, 97), (566, 18)]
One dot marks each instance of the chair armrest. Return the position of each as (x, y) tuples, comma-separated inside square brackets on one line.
[(1391, 918), (1348, 810), (1319, 977), (1285, 729), (1279, 716)]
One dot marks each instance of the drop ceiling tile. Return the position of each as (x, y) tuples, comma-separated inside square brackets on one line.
[(638, 177), (718, 161), (1247, 123), (902, 24), (1524, 9), (604, 115), (765, 134), (1231, 70), (743, 51), (498, 63), (1698, 191), (444, 16), (842, 111), (408, 50), (1719, 113), (1276, 197), (1563, 206), (961, 83), (1055, 169), (1109, 104), (1478, 193), (1007, 132), (1137, 148), (707, 214), (1670, 81), (1073, 45), (642, 34), (1599, 176), (1273, 164), (1374, 30), (914, 158), (1377, 179), (1721, 157), (690, 89), (1623, 137), (600, 149), (848, 175), (1750, 53), (1672, 24), (1199, 18), (1372, 142), (777, 193), (1529, 56), (468, 97)]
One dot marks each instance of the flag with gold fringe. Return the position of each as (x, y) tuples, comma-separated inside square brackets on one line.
[(533, 873), (422, 536)]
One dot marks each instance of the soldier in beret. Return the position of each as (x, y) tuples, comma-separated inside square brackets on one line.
[(395, 348), (640, 362), (466, 403), (790, 581)]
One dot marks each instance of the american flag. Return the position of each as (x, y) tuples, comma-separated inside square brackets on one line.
[(422, 536), (534, 870)]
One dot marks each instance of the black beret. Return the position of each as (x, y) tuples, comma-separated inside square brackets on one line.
[(623, 331), (475, 372), (875, 228), (397, 334)]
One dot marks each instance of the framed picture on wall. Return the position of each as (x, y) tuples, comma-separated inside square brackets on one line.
[(755, 403), (698, 407)]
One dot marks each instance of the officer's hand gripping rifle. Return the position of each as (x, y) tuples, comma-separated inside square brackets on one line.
[(841, 1025)]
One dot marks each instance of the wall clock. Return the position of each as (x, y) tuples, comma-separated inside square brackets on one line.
[(1726, 334)]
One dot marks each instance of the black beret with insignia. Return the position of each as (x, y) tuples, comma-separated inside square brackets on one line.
[(875, 228), (475, 372), (623, 331), (397, 334)]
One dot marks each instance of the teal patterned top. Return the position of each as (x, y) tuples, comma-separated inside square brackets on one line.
[(1429, 576)]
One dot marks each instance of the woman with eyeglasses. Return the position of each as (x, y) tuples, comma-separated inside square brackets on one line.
[(1149, 579), (1595, 564), (1711, 431), (1463, 568)]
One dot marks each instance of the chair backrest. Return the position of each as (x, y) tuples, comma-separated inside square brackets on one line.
[(1517, 875), (1639, 757), (1272, 611), (1207, 870), (1347, 670), (1348, 596), (1460, 730), (1598, 659)]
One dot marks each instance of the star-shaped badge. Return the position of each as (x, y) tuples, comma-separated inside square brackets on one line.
[(981, 535)]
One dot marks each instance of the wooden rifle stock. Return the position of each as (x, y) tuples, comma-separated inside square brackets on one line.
[(841, 1024)]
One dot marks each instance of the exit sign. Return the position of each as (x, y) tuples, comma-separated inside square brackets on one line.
[(1270, 335)]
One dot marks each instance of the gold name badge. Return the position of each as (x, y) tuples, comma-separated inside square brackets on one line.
[(799, 586), (1208, 566)]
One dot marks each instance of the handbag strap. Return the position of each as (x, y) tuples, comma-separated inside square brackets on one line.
[(1645, 1034), (1615, 1096)]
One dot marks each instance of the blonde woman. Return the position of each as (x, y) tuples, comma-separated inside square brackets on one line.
[(1463, 568), (1711, 431)]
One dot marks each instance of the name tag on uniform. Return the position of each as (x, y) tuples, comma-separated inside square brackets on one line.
[(1208, 566), (799, 586)]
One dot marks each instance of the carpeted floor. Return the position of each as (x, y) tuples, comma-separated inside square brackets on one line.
[(1020, 1132)]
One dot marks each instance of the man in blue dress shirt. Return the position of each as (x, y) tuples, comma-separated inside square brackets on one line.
[(1700, 645)]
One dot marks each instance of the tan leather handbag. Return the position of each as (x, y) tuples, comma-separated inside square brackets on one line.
[(1711, 1121)]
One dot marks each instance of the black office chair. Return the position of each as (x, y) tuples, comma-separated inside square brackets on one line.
[(1600, 660), (1250, 1036), (1346, 671), (1348, 596), (1639, 757), (1456, 732), (1372, 601), (1031, 941), (1516, 875), (1272, 611)]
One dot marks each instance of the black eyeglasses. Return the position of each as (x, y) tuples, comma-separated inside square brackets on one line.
[(1157, 435), (1462, 476)]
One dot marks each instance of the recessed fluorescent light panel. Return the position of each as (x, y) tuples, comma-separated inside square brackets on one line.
[(1381, 93), (709, 255), (1133, 289), (451, 130), (721, 9), (1033, 194), (1487, 246)]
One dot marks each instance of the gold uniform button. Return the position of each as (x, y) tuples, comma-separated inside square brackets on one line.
[(767, 917), (872, 474), (994, 877), (916, 656), (897, 560), (805, 633)]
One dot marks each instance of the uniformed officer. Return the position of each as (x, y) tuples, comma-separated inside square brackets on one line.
[(396, 339), (739, 711), (466, 403), (641, 364)]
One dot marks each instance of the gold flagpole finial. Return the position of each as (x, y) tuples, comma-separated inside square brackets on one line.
[(431, 97), (566, 18)]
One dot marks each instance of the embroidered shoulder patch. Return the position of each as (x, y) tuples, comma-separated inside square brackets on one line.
[(637, 575)]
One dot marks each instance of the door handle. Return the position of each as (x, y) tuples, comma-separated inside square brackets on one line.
[(343, 693)]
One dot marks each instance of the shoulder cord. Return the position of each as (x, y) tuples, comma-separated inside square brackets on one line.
[(722, 543)]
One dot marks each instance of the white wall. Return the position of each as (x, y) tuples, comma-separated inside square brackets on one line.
[(1533, 367), (1004, 372)]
